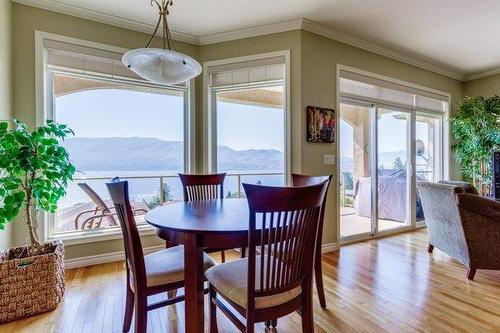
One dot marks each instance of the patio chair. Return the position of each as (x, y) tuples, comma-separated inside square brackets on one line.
[(100, 212)]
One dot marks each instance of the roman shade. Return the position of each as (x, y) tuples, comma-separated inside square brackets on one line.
[(357, 85), (80, 59), (254, 72)]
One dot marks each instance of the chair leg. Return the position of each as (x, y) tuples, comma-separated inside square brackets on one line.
[(318, 271), (213, 310), (250, 323), (141, 315), (470, 273), (171, 293), (430, 248), (243, 252), (129, 309), (307, 308), (274, 323), (222, 256)]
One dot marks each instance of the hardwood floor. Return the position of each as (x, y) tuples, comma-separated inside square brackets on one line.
[(386, 285)]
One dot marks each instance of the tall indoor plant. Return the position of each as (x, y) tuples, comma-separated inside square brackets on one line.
[(476, 128), (34, 172)]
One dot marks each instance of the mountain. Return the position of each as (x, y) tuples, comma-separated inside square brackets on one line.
[(385, 159), (150, 154)]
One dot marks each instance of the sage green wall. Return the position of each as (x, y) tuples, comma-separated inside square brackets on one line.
[(26, 20), (5, 86), (486, 86), (319, 59), (312, 80)]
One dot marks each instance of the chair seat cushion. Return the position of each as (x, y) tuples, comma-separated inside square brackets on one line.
[(167, 266), (230, 280)]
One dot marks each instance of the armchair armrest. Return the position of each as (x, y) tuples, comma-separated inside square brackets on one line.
[(479, 205), (481, 224)]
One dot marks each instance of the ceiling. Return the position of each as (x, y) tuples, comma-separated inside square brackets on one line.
[(460, 36)]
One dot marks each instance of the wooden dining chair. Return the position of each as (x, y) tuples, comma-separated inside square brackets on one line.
[(305, 180), (204, 187), (158, 272), (266, 286)]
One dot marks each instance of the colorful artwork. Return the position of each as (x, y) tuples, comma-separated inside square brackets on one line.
[(320, 125)]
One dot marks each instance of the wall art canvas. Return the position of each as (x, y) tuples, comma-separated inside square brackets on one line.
[(321, 125)]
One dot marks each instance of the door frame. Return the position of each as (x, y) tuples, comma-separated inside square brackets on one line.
[(444, 141)]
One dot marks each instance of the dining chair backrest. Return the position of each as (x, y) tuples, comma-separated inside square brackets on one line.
[(134, 255), (305, 180), (203, 187), (289, 218)]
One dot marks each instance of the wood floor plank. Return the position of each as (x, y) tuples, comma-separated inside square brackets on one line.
[(385, 285)]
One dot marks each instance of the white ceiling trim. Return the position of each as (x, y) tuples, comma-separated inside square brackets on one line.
[(56, 6), (251, 32), (296, 24), (482, 74), (376, 48)]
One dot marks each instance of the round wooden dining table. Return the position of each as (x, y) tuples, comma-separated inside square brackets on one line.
[(221, 224)]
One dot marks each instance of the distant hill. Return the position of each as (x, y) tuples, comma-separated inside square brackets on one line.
[(150, 154), (385, 159)]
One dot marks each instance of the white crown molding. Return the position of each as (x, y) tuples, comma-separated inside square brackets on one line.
[(92, 15), (480, 75), (296, 24), (321, 30), (251, 32)]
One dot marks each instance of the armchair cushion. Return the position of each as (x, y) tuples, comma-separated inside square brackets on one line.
[(468, 188), (444, 227)]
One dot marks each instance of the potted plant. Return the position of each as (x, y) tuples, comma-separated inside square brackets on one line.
[(34, 172), (476, 127)]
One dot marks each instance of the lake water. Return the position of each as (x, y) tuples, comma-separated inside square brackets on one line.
[(147, 188)]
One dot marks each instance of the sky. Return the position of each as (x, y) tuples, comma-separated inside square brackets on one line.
[(125, 113)]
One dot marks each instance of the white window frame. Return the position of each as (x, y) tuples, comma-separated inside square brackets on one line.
[(210, 112), (45, 111), (444, 142)]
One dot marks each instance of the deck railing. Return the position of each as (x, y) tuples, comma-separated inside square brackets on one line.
[(163, 178)]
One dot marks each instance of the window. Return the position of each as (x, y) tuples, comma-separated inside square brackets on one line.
[(123, 127), (248, 106)]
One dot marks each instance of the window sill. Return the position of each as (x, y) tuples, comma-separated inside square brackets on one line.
[(93, 236)]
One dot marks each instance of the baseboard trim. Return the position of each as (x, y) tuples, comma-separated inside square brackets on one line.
[(329, 247), (103, 258), (120, 255)]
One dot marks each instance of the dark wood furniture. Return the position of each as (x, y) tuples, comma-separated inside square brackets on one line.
[(155, 273), (279, 280), (199, 225), (204, 187), (304, 180)]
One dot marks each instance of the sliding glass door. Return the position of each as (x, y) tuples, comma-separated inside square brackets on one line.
[(377, 185), (393, 168), (356, 204)]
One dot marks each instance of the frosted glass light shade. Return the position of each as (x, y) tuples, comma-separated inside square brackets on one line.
[(161, 66)]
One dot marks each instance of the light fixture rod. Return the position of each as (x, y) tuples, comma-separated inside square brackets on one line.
[(163, 13)]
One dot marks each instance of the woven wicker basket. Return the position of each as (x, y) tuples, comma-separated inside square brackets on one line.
[(31, 285)]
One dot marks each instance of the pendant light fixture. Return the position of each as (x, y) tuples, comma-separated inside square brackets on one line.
[(162, 66)]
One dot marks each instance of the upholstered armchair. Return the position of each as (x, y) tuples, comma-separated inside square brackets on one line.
[(463, 225)]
